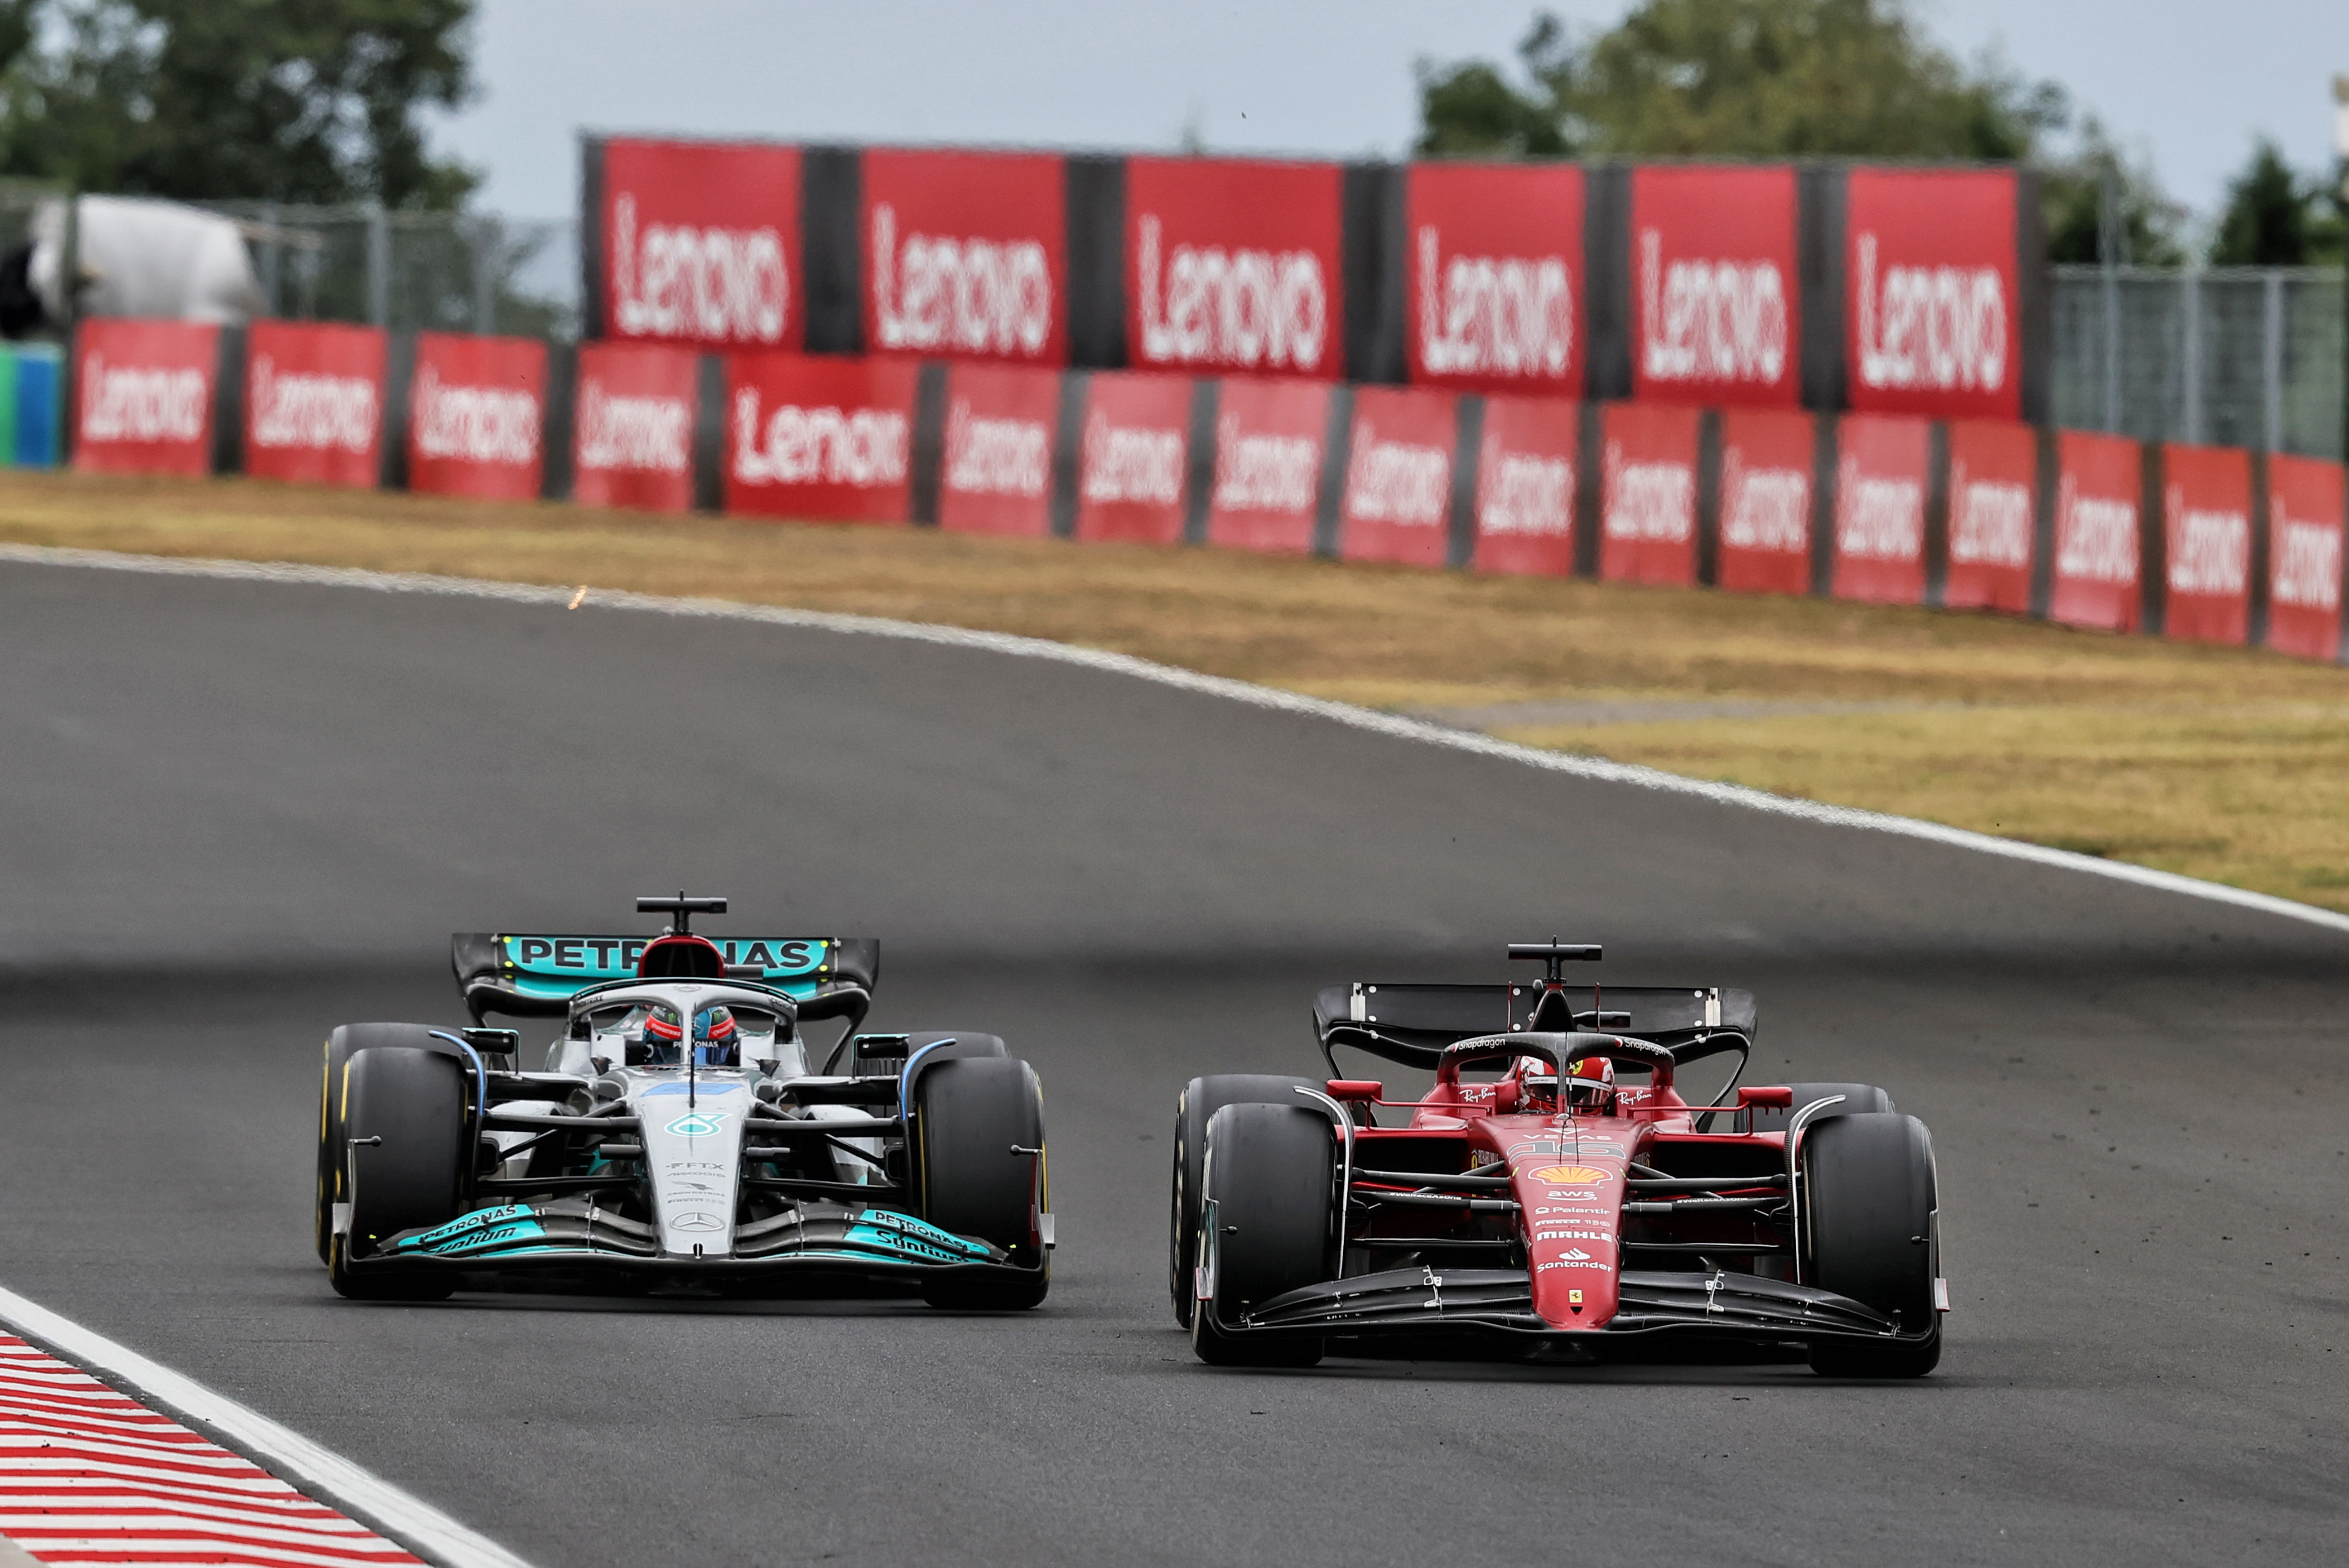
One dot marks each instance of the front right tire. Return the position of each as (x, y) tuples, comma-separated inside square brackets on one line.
[(1870, 1232), (1268, 1187), (405, 1133)]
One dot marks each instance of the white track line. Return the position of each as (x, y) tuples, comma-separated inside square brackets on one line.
[(416, 1523), (1190, 681)]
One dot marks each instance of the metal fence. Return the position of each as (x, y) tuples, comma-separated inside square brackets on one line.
[(2248, 357), (441, 272)]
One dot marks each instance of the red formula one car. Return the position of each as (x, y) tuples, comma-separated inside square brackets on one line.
[(1552, 1195)]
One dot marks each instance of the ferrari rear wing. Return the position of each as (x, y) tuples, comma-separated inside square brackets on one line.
[(529, 976), (1412, 1025)]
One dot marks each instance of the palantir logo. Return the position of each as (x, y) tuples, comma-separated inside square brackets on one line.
[(475, 424), (1940, 327), (825, 445), (1494, 315), (1249, 309), (142, 403), (972, 295), (633, 435), (722, 285), (312, 412), (1711, 321)]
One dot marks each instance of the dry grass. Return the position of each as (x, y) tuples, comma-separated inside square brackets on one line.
[(2218, 762)]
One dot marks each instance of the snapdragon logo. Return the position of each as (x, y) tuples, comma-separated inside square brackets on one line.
[(1990, 520), (997, 456), (2099, 536), (2214, 554), (971, 296), (475, 424), (721, 285), (1494, 315), (1522, 492), (1249, 309), (1942, 328), (1132, 463), (1261, 471), (312, 412), (1878, 517), (822, 445), (1765, 508), (2307, 571), (633, 435), (1396, 482), (1651, 502), (1711, 321), (142, 403)]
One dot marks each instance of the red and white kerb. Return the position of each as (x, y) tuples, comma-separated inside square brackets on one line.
[(89, 1475)]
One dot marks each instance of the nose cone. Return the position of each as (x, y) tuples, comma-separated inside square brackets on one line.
[(1572, 1199), (693, 1149)]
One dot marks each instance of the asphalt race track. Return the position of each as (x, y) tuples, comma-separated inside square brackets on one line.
[(238, 813)]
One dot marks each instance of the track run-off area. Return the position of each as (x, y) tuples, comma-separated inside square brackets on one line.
[(244, 806)]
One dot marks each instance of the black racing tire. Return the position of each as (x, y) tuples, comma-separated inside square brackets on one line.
[(1858, 1099), (415, 1101), (1270, 1173), (982, 1171), (347, 1039), (1201, 1099), (1869, 1231)]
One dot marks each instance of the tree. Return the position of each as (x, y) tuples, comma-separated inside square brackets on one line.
[(2144, 226), (1752, 79), (2276, 217), (287, 100)]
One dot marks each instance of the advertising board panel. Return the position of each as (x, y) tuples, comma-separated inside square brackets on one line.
[(477, 416), (820, 438), (701, 243), (632, 428), (1715, 300), (1233, 265), (144, 395), (966, 255), (1493, 276), (313, 402)]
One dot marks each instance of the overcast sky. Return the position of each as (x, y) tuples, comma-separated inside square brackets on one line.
[(2189, 82)]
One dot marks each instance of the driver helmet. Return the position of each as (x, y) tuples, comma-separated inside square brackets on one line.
[(658, 1032), (1590, 1085), (715, 1037)]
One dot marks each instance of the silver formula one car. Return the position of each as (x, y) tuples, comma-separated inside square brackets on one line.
[(677, 1136)]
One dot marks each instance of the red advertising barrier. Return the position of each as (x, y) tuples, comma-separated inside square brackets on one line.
[(819, 438), (145, 396), (1493, 274), (1933, 296), (1398, 500), (2306, 517), (2098, 490), (1715, 313), (1234, 265), (313, 402), (966, 255), (996, 473), (2206, 528), (1526, 464), (1766, 459), (1993, 509), (701, 244), (1134, 465), (476, 417), (1879, 509), (1269, 450), (1648, 495), (632, 435)]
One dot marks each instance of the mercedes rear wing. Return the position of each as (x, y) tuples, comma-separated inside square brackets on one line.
[(1412, 1025), (529, 976)]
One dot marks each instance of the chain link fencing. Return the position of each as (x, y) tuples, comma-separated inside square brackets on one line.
[(2246, 357)]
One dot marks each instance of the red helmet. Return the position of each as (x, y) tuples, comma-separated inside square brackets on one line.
[(1590, 1085), (661, 1023), (714, 1026)]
